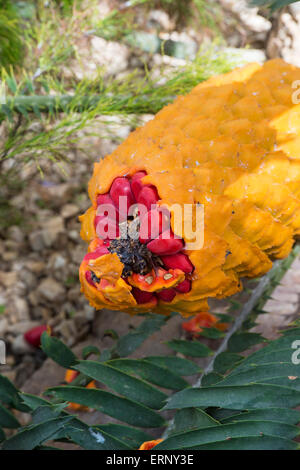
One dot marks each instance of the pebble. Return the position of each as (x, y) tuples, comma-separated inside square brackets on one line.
[(56, 261), (22, 327), (29, 279), (8, 279), (41, 313), (56, 194), (20, 346), (16, 234), (19, 309), (51, 290), (74, 235), (36, 267), (36, 240), (69, 210), (51, 229), (34, 298), (74, 294), (89, 312), (3, 326)]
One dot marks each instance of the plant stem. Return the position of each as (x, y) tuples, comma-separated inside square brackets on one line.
[(105, 104)]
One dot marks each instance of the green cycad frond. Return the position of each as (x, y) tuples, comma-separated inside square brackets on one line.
[(249, 404)]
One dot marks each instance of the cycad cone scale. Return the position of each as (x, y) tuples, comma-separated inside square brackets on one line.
[(232, 144)]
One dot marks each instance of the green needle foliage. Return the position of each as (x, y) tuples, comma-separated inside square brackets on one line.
[(62, 115), (11, 44)]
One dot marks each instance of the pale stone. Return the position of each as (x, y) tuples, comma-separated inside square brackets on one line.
[(51, 290)]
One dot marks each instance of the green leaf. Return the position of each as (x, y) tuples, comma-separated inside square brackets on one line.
[(11, 83), (290, 382), (291, 331), (189, 419), (283, 415), (31, 437), (130, 436), (153, 373), (122, 383), (127, 344), (260, 373), (250, 443), (177, 365), (33, 401), (89, 350), (236, 397), (36, 111), (9, 394), (273, 4), (120, 408), (224, 317), (189, 348), (58, 351), (193, 439), (46, 412), (222, 413), (7, 419), (279, 350), (211, 332), (22, 110), (226, 361), (241, 341), (105, 355), (8, 113), (91, 437), (88, 437), (211, 379), (2, 435), (29, 85)]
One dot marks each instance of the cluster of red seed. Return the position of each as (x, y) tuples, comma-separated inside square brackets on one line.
[(156, 242)]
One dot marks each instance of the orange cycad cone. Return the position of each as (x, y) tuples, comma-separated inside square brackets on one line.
[(232, 146)]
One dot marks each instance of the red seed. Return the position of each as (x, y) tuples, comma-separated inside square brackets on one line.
[(184, 286), (142, 297), (97, 220), (179, 261), (136, 183), (104, 199), (121, 188), (153, 224), (148, 196), (165, 246), (106, 208), (105, 227), (96, 254), (33, 336), (88, 276), (167, 295)]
